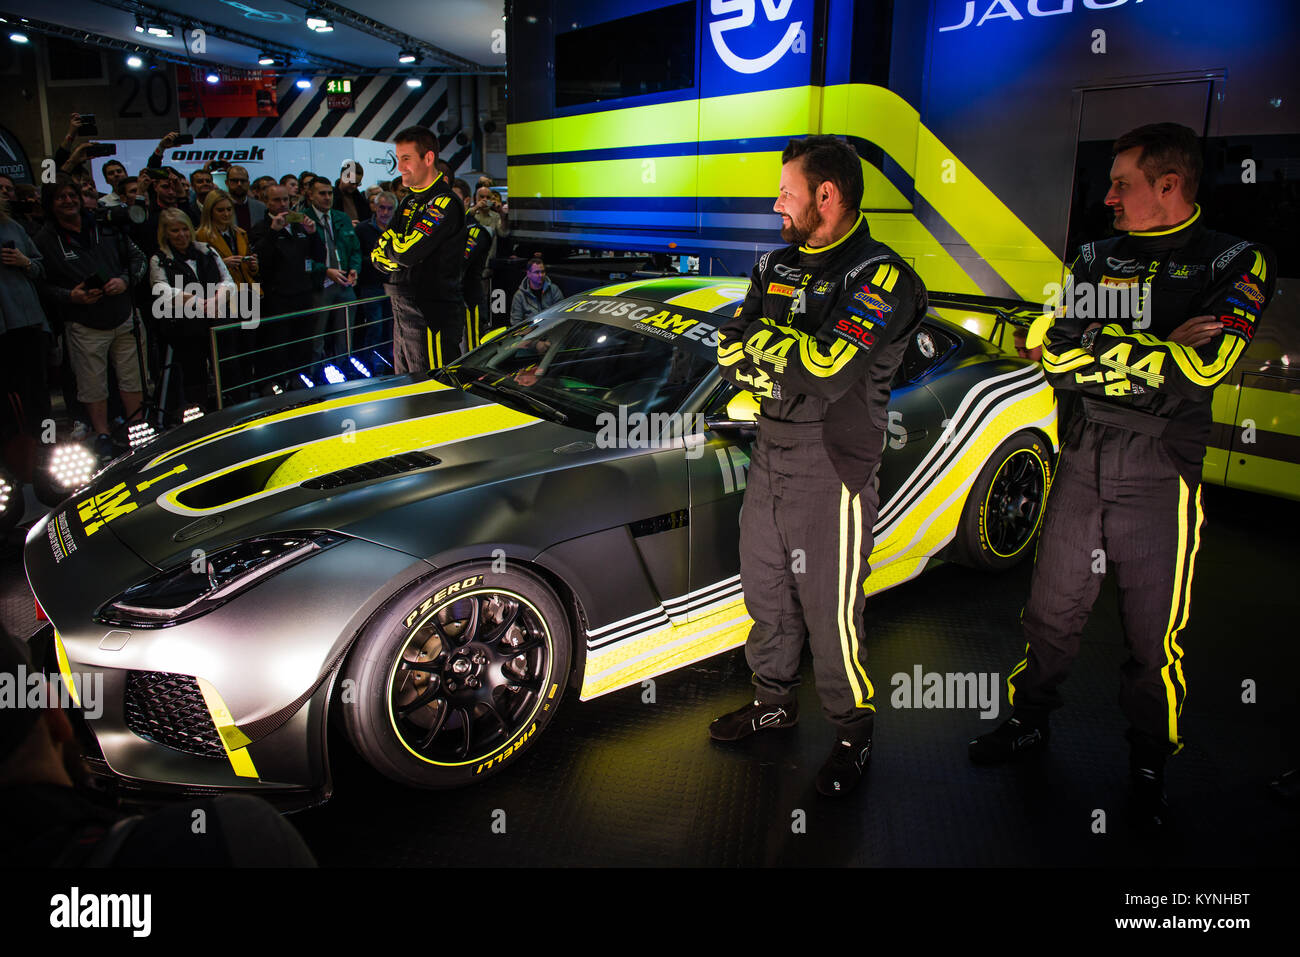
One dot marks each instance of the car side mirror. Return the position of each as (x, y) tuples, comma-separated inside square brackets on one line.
[(741, 415), (495, 333)]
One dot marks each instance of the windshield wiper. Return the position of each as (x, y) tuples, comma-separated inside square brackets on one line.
[(540, 405)]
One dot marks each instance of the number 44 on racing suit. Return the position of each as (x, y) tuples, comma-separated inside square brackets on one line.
[(1127, 496), (818, 338)]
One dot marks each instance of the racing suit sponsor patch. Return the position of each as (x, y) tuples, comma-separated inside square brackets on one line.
[(1238, 326), (865, 316), (1249, 290), (1227, 257), (1185, 270), (873, 300), (854, 332), (820, 289), (779, 289)]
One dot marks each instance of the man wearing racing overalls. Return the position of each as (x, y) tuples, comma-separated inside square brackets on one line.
[(1149, 323), (818, 338), (422, 255)]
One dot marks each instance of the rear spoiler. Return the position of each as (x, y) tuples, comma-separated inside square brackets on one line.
[(1015, 312)]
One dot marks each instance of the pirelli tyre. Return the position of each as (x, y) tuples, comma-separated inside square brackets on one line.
[(1004, 509), (458, 676)]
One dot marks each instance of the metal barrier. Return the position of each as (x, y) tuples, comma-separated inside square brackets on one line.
[(270, 337)]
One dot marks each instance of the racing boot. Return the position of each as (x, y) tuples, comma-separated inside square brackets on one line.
[(1146, 768), (1022, 735), (848, 760), (757, 716)]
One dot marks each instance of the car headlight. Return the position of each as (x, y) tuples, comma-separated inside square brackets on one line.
[(187, 591)]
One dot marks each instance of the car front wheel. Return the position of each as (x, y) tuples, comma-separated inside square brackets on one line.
[(457, 676)]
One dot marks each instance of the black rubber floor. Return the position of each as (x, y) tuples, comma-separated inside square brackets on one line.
[(623, 781)]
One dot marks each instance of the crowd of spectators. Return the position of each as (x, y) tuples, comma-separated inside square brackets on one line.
[(127, 285)]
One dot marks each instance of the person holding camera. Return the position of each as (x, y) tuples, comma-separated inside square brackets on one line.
[(161, 195), (286, 244), (218, 230), (192, 290), (89, 267), (24, 330)]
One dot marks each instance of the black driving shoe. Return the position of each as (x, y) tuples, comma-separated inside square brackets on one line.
[(755, 716)]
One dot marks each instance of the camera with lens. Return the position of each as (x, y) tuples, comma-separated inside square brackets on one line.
[(125, 215)]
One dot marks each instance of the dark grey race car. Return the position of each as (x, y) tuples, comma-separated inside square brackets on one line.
[(435, 559)]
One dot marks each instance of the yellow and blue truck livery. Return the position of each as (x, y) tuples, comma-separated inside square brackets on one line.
[(983, 126)]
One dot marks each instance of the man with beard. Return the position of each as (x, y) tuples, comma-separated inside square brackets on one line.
[(249, 211), (818, 338)]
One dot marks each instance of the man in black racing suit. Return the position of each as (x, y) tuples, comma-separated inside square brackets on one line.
[(819, 336), (1148, 324), (422, 256)]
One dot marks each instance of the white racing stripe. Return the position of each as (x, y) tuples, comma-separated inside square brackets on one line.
[(717, 595), (935, 458)]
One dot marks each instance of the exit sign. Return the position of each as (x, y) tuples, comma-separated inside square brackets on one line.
[(338, 94)]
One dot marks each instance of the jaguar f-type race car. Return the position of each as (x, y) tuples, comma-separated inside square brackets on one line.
[(433, 560)]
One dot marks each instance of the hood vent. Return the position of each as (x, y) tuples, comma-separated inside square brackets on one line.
[(380, 468)]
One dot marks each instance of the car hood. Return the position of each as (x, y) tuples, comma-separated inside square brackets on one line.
[(276, 464)]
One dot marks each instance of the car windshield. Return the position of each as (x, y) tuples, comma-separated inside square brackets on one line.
[(581, 368)]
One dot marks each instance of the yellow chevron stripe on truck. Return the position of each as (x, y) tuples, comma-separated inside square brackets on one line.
[(865, 111)]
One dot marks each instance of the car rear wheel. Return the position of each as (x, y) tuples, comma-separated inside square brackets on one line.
[(457, 676), (1005, 506)]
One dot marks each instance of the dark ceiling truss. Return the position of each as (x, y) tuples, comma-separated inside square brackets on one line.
[(108, 43), (358, 21), (291, 55)]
